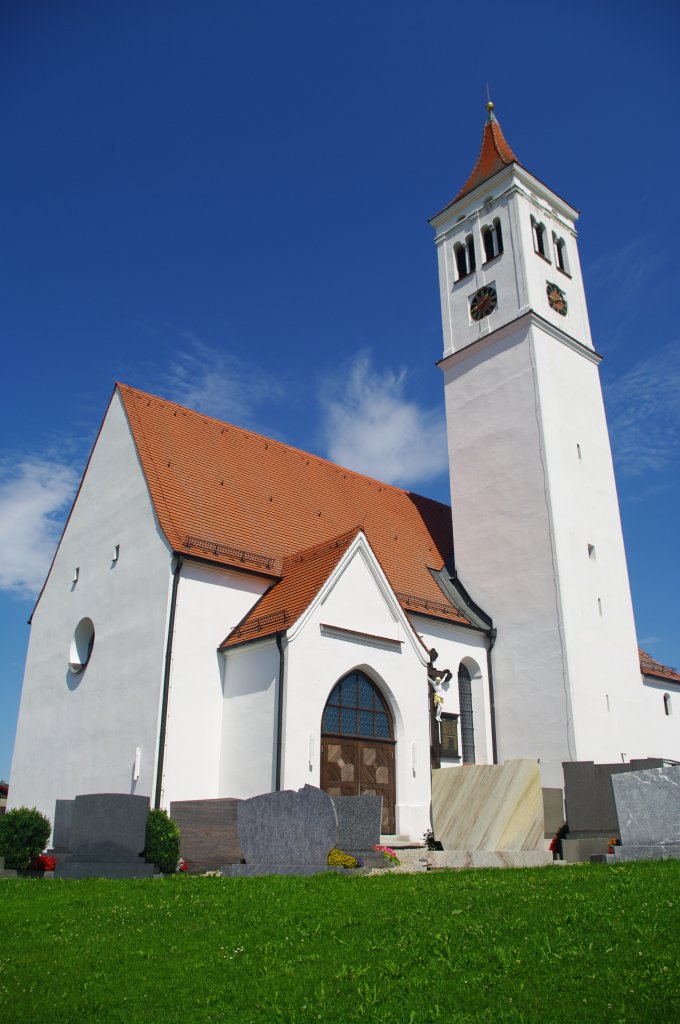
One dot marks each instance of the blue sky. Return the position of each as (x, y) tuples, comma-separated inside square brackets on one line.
[(226, 203)]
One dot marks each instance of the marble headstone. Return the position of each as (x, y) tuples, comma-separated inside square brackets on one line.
[(648, 806), (209, 833), (489, 806), (358, 822), (285, 833)]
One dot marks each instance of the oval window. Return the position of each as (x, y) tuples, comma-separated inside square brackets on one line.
[(81, 645)]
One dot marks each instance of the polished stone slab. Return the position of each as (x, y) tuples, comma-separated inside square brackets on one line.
[(589, 798), (288, 828), (78, 868), (488, 859), (109, 825), (208, 833), (489, 807), (579, 851), (107, 838), (63, 821), (358, 821), (660, 851), (648, 806), (553, 811)]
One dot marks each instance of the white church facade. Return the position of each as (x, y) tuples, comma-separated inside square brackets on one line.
[(226, 615)]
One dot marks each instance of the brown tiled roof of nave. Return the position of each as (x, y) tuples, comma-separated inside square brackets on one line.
[(243, 500)]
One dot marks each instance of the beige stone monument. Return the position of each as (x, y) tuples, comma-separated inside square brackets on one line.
[(489, 806)]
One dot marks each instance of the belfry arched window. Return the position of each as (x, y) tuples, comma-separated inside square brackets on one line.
[(538, 231), (560, 250), (492, 240), (467, 725), (464, 255)]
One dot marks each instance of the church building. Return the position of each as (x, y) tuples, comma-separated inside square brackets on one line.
[(227, 615)]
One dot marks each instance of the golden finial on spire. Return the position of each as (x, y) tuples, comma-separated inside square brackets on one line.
[(489, 103)]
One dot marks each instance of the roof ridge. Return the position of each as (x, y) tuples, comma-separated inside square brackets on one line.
[(343, 539), (281, 444)]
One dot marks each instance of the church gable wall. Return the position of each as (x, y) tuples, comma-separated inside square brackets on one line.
[(356, 625), (79, 732), (210, 603)]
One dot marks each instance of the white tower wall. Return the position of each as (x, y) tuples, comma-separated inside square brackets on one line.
[(537, 531)]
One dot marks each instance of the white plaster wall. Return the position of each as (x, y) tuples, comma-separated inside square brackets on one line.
[(210, 603), (540, 271), (316, 660), (663, 731), (598, 624), (79, 733), (455, 645), (248, 750), (502, 537)]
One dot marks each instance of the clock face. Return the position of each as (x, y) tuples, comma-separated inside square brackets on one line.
[(556, 298), (483, 302)]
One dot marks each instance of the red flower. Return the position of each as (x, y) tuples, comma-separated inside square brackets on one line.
[(43, 863)]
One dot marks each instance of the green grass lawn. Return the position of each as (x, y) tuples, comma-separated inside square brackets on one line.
[(588, 943)]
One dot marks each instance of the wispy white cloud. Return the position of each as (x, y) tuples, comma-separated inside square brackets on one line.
[(644, 414), (631, 266), (218, 383), (371, 426), (35, 495)]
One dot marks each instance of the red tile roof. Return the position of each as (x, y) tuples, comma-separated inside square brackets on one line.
[(494, 155), (650, 667), (304, 574), (243, 500)]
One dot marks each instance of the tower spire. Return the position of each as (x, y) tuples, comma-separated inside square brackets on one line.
[(494, 155)]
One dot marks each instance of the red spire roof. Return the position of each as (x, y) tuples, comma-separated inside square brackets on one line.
[(494, 155)]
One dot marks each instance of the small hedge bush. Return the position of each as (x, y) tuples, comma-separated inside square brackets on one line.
[(24, 832), (162, 841)]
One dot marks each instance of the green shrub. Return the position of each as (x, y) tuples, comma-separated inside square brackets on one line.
[(24, 832), (162, 841)]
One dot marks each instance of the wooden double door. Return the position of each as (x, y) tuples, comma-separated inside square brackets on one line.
[(357, 744), (352, 767)]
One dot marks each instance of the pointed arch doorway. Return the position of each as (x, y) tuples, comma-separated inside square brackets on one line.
[(357, 744)]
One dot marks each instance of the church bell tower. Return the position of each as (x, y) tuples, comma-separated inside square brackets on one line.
[(537, 532)]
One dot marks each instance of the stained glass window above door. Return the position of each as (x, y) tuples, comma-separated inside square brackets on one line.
[(356, 708)]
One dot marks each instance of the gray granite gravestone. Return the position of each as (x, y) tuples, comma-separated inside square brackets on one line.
[(358, 822), (553, 811), (648, 807), (285, 833), (209, 833), (108, 833), (588, 796), (63, 820)]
